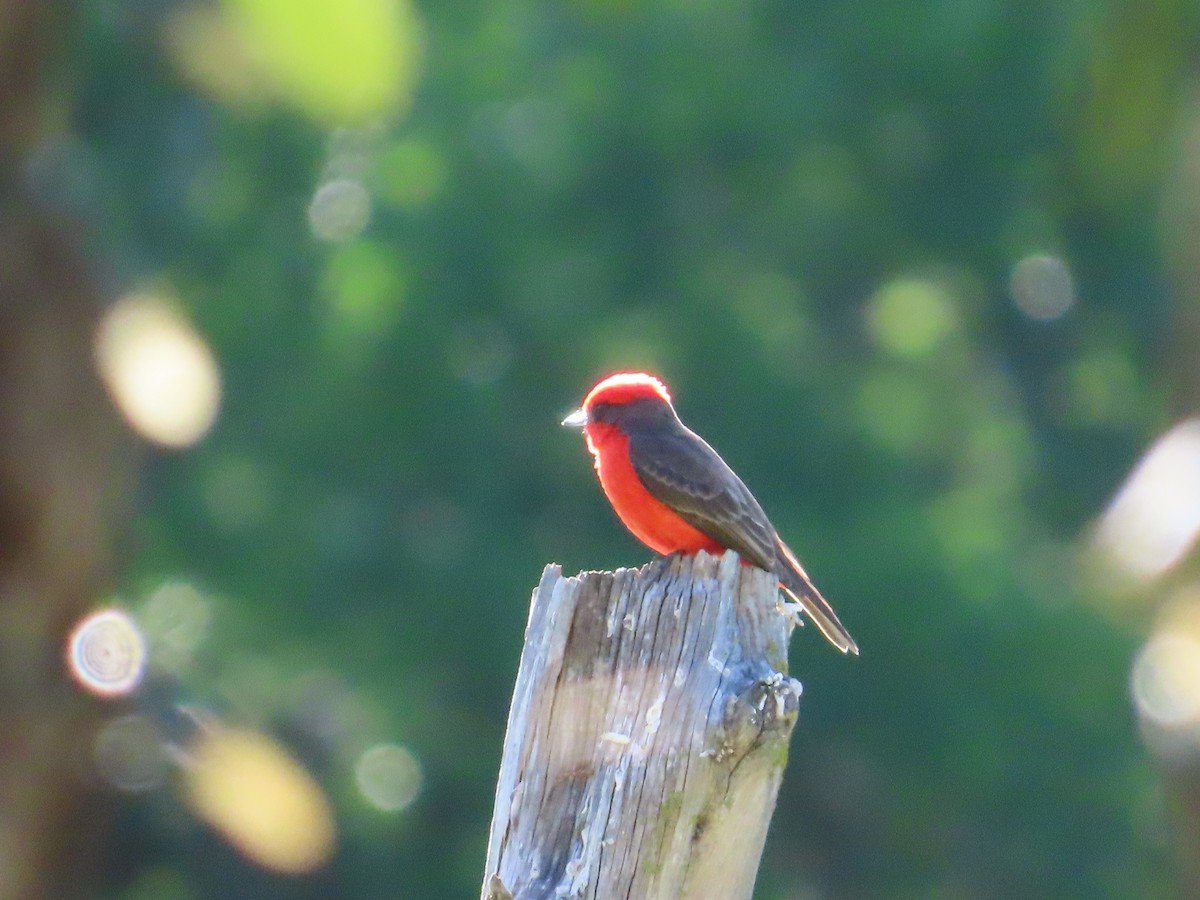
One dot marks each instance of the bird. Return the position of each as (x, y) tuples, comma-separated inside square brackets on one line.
[(677, 495)]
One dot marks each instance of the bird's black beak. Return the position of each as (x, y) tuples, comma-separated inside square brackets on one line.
[(576, 419)]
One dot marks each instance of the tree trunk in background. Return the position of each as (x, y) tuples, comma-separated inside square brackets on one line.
[(1181, 248), (58, 474)]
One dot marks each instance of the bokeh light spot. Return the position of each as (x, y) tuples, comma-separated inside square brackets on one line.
[(239, 493), (158, 370), (1166, 680), (1101, 386), (479, 352), (338, 60), (175, 618), (106, 653), (388, 777), (364, 290), (129, 754), (1155, 518), (211, 54), (340, 210), (1042, 287), (261, 800), (772, 307), (909, 317), (895, 410), (410, 173), (902, 140)]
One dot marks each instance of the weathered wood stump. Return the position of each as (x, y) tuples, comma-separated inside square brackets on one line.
[(647, 735)]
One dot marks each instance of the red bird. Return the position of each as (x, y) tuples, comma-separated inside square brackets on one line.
[(675, 493)]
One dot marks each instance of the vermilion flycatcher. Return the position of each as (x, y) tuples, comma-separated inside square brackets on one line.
[(675, 493)]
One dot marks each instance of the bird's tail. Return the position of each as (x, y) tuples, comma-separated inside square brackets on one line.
[(799, 587)]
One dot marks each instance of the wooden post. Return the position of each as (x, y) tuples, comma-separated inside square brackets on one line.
[(647, 735)]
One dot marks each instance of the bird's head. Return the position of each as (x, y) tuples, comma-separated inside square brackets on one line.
[(621, 403)]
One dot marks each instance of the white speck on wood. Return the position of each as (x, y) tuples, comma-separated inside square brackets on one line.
[(654, 716), (643, 761)]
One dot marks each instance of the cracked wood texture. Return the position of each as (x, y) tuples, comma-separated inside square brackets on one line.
[(647, 736)]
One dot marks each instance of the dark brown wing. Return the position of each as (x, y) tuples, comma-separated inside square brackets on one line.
[(679, 469)]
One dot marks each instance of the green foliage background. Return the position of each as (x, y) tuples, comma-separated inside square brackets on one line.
[(804, 216)]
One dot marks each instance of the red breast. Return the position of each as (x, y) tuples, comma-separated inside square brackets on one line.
[(653, 523)]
